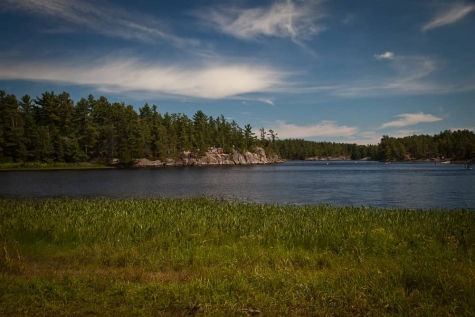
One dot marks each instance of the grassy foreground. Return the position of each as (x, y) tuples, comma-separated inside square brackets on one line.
[(172, 257)]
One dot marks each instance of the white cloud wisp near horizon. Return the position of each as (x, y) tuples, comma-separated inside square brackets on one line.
[(457, 12), (321, 129), (211, 81), (407, 119)]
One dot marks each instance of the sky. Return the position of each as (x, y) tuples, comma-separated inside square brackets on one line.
[(330, 70)]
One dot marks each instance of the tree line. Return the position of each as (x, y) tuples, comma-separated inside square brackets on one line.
[(52, 128), (456, 145), (298, 149)]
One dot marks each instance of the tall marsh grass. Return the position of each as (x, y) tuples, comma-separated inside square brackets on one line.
[(210, 257)]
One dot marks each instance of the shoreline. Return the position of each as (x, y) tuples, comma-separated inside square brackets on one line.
[(150, 164)]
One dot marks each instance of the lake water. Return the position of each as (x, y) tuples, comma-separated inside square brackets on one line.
[(407, 185)]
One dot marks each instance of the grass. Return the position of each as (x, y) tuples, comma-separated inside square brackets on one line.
[(173, 257)]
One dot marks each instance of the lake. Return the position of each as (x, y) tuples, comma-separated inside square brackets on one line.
[(405, 185)]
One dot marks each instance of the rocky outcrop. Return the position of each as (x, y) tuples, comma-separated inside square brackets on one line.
[(215, 158), (147, 163)]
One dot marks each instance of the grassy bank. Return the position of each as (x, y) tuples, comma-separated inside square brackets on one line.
[(50, 166), (208, 257)]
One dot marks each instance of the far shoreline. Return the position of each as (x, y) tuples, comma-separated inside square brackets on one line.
[(41, 166)]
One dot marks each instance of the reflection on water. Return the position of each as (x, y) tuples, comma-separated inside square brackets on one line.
[(409, 185)]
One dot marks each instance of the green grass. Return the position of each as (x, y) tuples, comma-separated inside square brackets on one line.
[(63, 257)]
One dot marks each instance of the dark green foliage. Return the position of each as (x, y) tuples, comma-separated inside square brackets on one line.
[(298, 149), (458, 145), (51, 128)]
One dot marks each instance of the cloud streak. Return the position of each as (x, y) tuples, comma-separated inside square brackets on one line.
[(411, 77), (283, 19), (212, 81), (104, 18), (456, 13), (407, 119), (321, 129), (364, 138), (387, 55)]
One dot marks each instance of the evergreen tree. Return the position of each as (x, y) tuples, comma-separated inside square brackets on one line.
[(52, 128)]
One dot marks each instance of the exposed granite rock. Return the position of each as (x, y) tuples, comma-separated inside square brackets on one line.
[(188, 161), (170, 162), (239, 159), (147, 163), (215, 158), (274, 159)]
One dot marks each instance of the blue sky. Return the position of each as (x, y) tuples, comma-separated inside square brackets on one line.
[(342, 71)]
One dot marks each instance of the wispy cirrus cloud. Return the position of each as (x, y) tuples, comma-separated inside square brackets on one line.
[(454, 14), (208, 80), (265, 100), (361, 138), (321, 129), (410, 75), (100, 17), (407, 119), (399, 75), (364, 138), (409, 68), (404, 133), (387, 55), (284, 19)]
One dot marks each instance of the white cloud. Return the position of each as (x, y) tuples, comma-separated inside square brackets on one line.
[(100, 17), (387, 55), (405, 75), (409, 75), (404, 133), (457, 12), (282, 19), (411, 119), (326, 129), (348, 19), (212, 81), (364, 138), (322, 129), (266, 100)]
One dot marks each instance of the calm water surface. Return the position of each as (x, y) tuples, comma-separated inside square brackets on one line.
[(408, 185)]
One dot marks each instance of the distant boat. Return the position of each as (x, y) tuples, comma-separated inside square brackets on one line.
[(445, 162)]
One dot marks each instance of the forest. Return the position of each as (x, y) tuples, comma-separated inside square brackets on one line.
[(53, 128)]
